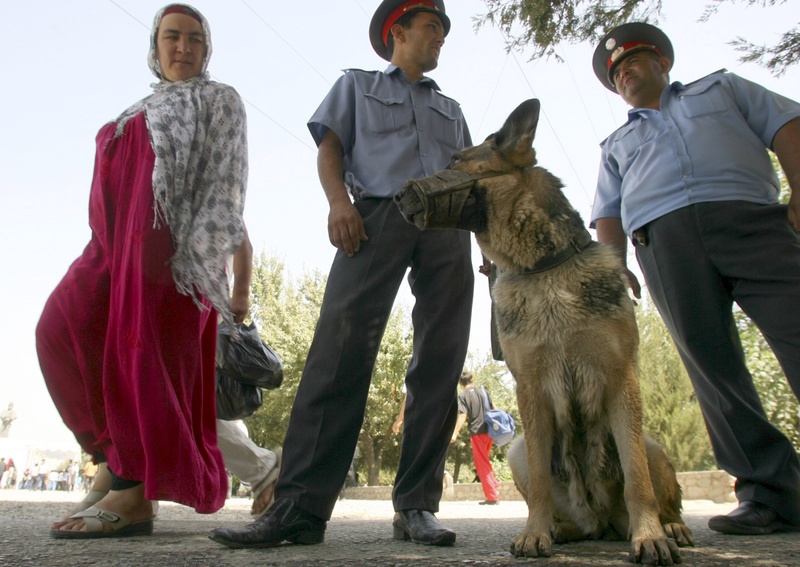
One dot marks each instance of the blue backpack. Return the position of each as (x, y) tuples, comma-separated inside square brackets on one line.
[(499, 423)]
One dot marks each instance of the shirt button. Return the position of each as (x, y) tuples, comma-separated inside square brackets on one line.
[(685, 176)]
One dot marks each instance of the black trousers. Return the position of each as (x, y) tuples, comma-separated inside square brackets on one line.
[(329, 408), (697, 262)]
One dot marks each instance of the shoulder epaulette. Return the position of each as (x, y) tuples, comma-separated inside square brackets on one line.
[(371, 72), (723, 70)]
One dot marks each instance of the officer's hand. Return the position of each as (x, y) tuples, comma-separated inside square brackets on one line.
[(346, 228), (633, 283)]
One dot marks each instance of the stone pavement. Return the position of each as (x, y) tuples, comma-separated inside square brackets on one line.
[(359, 534)]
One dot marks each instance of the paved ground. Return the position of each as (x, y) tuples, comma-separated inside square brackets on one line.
[(358, 534)]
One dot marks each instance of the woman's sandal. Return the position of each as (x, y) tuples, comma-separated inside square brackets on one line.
[(259, 508), (96, 521), (92, 497)]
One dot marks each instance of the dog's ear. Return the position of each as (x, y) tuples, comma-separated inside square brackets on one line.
[(515, 138)]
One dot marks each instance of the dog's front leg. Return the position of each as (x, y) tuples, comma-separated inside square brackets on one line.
[(536, 540), (649, 542)]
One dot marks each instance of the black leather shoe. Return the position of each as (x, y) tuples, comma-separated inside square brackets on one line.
[(283, 521), (421, 526), (751, 518), (489, 503)]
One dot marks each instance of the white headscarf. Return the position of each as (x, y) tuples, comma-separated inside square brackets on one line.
[(197, 129)]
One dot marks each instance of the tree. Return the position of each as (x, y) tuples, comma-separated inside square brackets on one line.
[(671, 414), (379, 445), (547, 23), (286, 314), (776, 58)]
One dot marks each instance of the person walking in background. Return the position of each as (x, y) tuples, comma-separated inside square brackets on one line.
[(471, 405), (688, 179), (127, 341), (90, 470), (375, 130), (40, 476)]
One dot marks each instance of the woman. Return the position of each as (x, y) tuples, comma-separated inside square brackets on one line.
[(127, 340)]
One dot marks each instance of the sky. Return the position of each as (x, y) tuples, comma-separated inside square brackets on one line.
[(70, 67)]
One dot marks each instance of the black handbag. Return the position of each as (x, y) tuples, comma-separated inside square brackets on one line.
[(245, 364), (247, 358), (236, 400)]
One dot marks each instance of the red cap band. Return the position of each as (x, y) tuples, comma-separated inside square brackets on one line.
[(625, 47), (400, 11), (182, 9)]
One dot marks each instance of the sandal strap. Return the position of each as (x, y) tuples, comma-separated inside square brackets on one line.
[(96, 519)]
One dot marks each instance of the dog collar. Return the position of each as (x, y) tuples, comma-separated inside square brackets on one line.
[(576, 246)]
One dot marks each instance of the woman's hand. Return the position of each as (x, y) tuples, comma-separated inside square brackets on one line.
[(240, 305)]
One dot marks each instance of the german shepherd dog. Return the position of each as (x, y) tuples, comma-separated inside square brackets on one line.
[(568, 331)]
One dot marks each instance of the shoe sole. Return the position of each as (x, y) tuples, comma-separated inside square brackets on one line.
[(733, 529), (142, 528), (302, 538)]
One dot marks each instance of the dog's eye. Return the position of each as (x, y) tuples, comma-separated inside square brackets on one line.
[(454, 161)]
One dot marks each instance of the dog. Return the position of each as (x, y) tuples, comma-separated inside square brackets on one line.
[(568, 331)]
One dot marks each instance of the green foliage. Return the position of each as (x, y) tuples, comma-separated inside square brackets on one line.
[(547, 23), (380, 447), (286, 313), (671, 414), (786, 192), (544, 24), (777, 58)]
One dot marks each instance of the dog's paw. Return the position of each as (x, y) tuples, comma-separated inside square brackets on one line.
[(663, 551), (532, 545), (680, 533)]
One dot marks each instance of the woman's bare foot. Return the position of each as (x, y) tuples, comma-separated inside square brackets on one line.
[(129, 503), (262, 502), (264, 492)]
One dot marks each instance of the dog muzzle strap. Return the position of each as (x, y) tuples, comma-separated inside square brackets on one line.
[(441, 197)]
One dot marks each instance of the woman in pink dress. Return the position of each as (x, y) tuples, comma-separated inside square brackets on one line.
[(127, 340)]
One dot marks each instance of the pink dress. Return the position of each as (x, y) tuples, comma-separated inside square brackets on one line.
[(129, 361)]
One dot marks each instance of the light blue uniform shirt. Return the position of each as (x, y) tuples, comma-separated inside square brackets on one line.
[(391, 130), (707, 143)]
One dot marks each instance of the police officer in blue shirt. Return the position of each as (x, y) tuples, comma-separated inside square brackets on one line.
[(375, 130), (689, 180)]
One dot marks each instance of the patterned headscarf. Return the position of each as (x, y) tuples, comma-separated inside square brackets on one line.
[(198, 132), (152, 57)]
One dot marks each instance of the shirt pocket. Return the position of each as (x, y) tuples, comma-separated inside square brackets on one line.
[(445, 127), (629, 141), (632, 137), (701, 100), (384, 113)]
